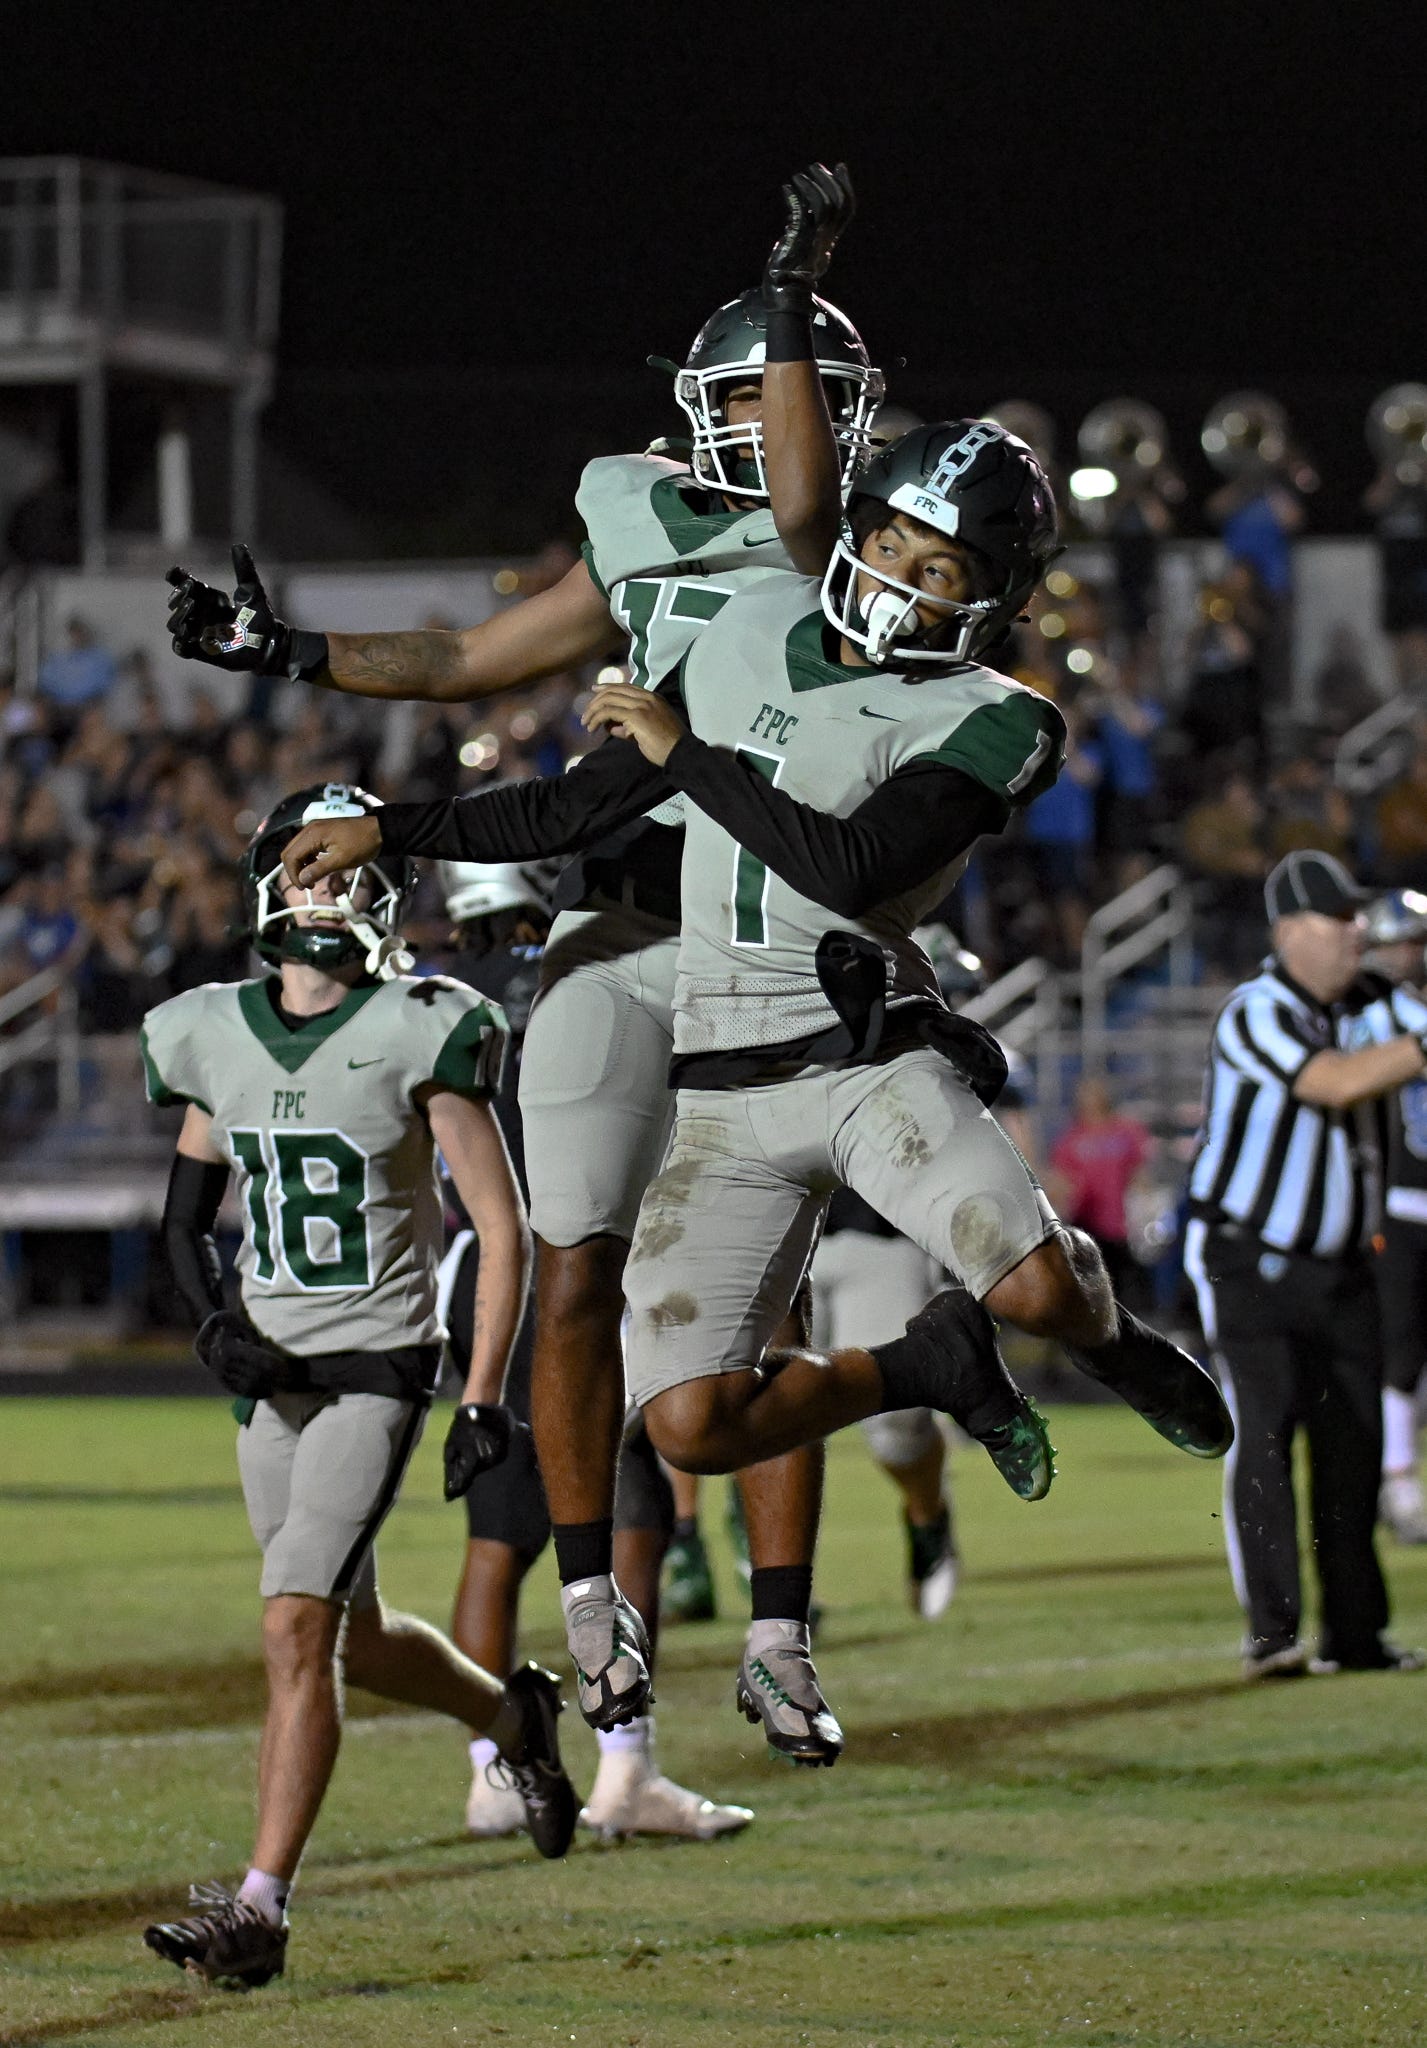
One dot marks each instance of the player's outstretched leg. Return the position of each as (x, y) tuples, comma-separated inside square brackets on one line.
[(1171, 1390)]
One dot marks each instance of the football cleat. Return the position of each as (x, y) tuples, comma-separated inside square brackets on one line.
[(778, 1685), (1401, 1507), (1171, 1390), (931, 1567), (493, 1806), (537, 1776), (958, 1340), (630, 1797), (1384, 1657), (227, 1942), (610, 1651), (688, 1593), (1291, 1661)]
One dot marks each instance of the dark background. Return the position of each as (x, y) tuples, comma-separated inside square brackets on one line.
[(492, 217)]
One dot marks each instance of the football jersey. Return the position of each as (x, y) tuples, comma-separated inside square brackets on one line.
[(342, 1219), (758, 681), (666, 566)]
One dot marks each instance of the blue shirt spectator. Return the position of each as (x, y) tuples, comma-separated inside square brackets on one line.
[(1124, 731), (1065, 815), (75, 675)]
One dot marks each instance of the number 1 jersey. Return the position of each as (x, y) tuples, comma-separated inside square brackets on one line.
[(342, 1217)]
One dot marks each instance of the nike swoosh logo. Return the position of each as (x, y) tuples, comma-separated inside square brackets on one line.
[(756, 540), (354, 1064), (868, 712)]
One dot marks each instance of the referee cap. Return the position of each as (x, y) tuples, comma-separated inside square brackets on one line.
[(1309, 880)]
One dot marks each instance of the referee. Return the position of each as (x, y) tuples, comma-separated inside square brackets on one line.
[(1285, 1195)]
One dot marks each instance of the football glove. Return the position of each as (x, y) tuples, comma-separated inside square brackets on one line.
[(241, 633), (240, 1357), (819, 204), (477, 1441)]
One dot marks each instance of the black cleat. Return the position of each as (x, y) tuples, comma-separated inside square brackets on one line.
[(229, 1942), (1165, 1385), (537, 1774), (778, 1686), (978, 1393)]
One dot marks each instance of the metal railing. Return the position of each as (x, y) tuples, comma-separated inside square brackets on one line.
[(1374, 750), (1025, 1009), (46, 1010), (1154, 915)]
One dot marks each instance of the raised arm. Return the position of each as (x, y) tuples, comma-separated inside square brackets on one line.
[(559, 628), (800, 451)]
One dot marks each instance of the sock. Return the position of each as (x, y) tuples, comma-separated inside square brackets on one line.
[(636, 1734), (483, 1752), (782, 1592), (584, 1550), (1399, 1431), (686, 1528), (914, 1371), (507, 1730), (267, 1895)]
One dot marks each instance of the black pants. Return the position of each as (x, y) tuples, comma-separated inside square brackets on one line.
[(1402, 1290), (508, 1505), (1300, 1347)]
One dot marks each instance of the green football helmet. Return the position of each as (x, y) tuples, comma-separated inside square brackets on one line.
[(729, 349), (340, 932)]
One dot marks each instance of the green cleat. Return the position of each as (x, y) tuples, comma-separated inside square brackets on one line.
[(688, 1582)]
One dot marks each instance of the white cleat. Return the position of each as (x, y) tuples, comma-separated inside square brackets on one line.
[(1402, 1508), (629, 1797), (493, 1809)]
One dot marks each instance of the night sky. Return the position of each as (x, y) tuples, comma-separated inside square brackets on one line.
[(1168, 199)]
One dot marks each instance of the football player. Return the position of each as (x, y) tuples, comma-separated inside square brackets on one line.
[(668, 546), (501, 919), (843, 752), (326, 1087)]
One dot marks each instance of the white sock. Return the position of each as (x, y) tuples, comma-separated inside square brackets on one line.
[(636, 1734), (483, 1752), (267, 1895), (1399, 1431), (777, 1635)]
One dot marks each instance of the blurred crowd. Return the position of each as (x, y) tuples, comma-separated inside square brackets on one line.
[(121, 830)]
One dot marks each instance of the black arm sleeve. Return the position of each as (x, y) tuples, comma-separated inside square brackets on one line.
[(912, 825), (195, 1191), (610, 787)]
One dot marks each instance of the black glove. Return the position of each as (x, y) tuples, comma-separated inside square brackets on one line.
[(819, 204), (477, 1441), (240, 1357), (241, 633)]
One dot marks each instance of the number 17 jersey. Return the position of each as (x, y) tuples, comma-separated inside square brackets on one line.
[(342, 1217)]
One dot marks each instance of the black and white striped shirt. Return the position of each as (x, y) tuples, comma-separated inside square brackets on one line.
[(1296, 1175)]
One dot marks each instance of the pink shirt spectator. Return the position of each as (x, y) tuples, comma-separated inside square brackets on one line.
[(1098, 1157)]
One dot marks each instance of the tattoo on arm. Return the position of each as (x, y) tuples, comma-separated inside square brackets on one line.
[(396, 664)]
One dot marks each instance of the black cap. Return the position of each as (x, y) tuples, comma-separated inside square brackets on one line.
[(1309, 880)]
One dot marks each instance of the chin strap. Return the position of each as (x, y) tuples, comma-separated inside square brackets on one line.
[(386, 955)]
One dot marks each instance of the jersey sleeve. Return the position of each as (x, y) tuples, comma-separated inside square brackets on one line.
[(469, 1040), (1264, 1038), (1014, 746), (1408, 1012), (170, 1042)]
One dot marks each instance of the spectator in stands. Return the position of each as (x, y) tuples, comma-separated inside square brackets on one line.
[(1222, 842), (1402, 824), (1397, 501), (50, 932), (1343, 693), (1060, 837), (1224, 707), (1094, 1163), (1127, 719), (1306, 808), (75, 675)]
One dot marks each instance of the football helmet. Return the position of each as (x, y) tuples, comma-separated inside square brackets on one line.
[(339, 932), (474, 888), (979, 485), (729, 349), (1396, 918)]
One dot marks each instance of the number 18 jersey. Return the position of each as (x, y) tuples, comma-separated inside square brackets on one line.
[(342, 1218)]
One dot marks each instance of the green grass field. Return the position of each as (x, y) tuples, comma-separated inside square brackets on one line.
[(1060, 1817)]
